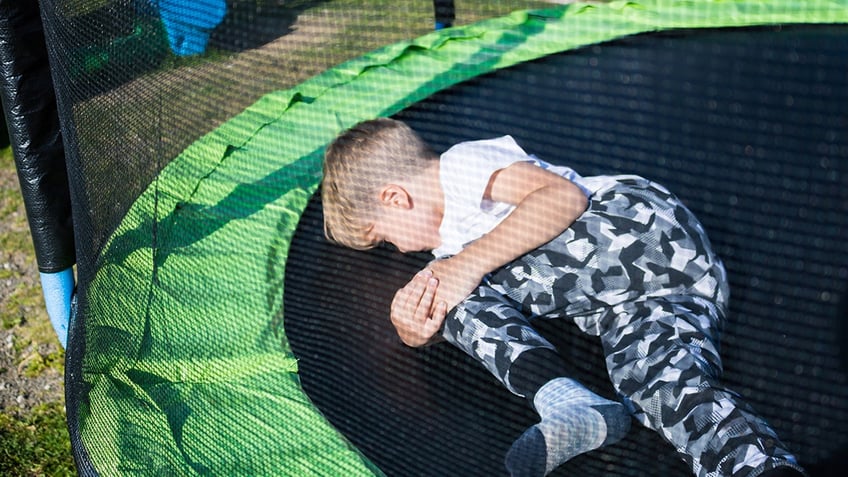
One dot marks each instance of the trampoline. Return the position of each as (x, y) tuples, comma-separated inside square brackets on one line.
[(216, 332)]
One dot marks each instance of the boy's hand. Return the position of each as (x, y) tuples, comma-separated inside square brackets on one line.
[(456, 280), (413, 313)]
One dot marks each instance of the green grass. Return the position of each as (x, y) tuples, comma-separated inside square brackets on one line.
[(36, 444), (33, 441)]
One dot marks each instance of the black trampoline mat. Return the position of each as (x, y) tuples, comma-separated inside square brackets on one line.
[(747, 126)]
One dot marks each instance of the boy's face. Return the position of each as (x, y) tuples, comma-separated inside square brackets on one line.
[(409, 230)]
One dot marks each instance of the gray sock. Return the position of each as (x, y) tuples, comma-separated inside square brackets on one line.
[(574, 420)]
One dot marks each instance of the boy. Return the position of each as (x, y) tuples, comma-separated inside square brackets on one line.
[(518, 237)]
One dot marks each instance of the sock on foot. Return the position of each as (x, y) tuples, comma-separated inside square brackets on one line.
[(574, 420)]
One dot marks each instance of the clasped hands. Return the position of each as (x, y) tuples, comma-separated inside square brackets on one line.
[(419, 308)]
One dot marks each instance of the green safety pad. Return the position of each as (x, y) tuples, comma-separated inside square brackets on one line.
[(187, 363)]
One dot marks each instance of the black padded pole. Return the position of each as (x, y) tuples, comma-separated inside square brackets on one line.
[(29, 103)]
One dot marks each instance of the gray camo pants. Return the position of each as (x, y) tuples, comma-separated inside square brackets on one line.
[(637, 270)]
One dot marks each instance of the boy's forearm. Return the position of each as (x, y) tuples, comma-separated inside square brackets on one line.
[(540, 217)]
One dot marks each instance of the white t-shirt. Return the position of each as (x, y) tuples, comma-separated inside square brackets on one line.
[(464, 172)]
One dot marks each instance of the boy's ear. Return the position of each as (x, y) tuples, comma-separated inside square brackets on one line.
[(394, 195)]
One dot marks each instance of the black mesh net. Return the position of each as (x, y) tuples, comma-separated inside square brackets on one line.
[(218, 332)]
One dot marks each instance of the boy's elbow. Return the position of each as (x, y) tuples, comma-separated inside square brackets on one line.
[(582, 200), (575, 198)]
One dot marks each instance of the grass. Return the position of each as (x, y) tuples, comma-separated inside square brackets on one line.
[(25, 304), (36, 444), (34, 441)]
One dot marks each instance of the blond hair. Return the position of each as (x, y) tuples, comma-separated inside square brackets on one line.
[(357, 164)]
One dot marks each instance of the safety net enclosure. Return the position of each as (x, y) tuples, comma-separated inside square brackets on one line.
[(215, 331)]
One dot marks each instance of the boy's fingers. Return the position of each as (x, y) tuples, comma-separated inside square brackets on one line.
[(413, 290), (419, 288), (432, 326), (422, 312), (439, 314), (411, 310), (407, 297)]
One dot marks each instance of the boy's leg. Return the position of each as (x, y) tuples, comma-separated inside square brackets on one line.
[(662, 356), (635, 244), (635, 240), (574, 420), (488, 327)]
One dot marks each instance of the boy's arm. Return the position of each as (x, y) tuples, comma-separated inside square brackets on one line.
[(546, 205)]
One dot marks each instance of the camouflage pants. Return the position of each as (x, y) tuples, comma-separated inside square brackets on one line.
[(637, 270)]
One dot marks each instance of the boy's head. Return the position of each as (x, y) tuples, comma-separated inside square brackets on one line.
[(357, 166)]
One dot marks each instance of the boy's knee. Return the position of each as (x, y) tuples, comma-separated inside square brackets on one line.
[(665, 378)]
